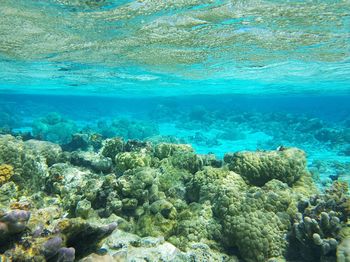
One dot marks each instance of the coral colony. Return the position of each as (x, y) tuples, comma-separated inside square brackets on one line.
[(132, 199)]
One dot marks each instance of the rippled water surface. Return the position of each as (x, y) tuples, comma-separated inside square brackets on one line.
[(174, 47)]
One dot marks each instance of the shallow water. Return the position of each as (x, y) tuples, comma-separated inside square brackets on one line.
[(222, 76), (318, 124)]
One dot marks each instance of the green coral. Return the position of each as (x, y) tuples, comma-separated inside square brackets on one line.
[(8, 193), (187, 160), (253, 219), (205, 184), (130, 160), (158, 220), (195, 224), (73, 184), (49, 152), (165, 150), (171, 179), (256, 221), (111, 147), (29, 165), (259, 167), (53, 127), (343, 251)]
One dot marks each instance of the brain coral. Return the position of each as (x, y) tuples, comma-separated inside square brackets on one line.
[(257, 168), (256, 221)]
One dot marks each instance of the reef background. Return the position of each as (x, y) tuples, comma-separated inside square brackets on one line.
[(318, 124)]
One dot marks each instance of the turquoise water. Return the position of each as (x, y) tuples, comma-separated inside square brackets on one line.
[(175, 47), (225, 57), (221, 76)]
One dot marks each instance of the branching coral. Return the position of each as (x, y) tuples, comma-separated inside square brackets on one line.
[(317, 228)]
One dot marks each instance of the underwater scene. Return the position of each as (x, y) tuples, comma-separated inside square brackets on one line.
[(179, 130)]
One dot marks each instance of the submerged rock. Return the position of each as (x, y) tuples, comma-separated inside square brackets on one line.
[(122, 246)]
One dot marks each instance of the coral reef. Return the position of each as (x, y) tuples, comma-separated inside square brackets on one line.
[(111, 147), (130, 160), (170, 204), (127, 129), (30, 160), (53, 127)]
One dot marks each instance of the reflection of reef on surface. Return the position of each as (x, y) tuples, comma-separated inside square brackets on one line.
[(167, 201)]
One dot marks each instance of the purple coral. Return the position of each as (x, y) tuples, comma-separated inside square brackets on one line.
[(66, 254), (51, 247), (14, 221)]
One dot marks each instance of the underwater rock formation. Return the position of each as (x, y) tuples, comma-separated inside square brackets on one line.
[(83, 141), (123, 246)]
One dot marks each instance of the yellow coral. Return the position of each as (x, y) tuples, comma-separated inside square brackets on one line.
[(4, 258), (6, 171)]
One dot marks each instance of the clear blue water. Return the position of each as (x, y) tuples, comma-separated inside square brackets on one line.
[(223, 76), (220, 75)]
